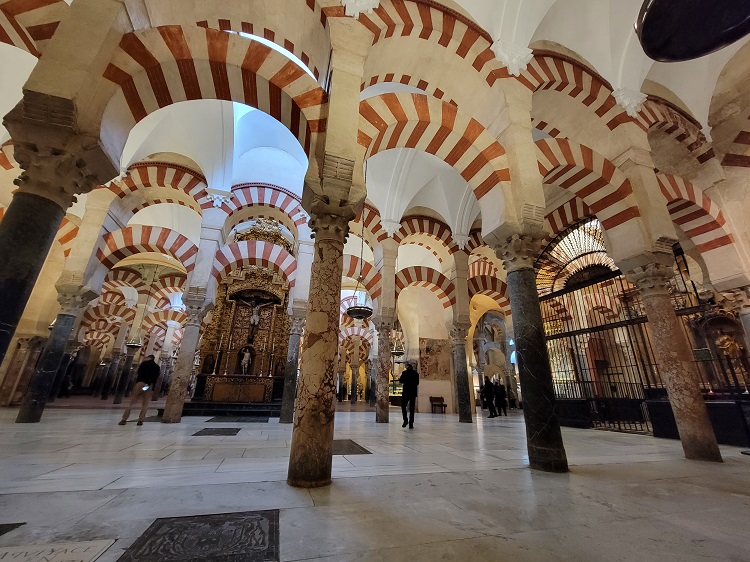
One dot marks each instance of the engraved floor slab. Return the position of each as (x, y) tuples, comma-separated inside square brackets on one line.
[(250, 536), (239, 419), (8, 527), (60, 552), (348, 447), (217, 431)]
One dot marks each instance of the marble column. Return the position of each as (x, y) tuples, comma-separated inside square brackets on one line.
[(109, 377), (62, 370), (27, 231), (101, 377), (163, 358), (183, 370), (72, 301), (675, 359), (355, 365), (311, 459), (543, 436), (373, 380), (292, 364), (124, 379), (458, 333), (481, 356), (384, 363), (10, 382)]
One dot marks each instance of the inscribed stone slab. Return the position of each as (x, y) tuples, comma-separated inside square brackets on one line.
[(239, 419), (348, 447), (6, 528), (218, 431), (59, 552), (251, 536)]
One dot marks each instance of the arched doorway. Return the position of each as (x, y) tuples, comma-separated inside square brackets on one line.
[(599, 340)]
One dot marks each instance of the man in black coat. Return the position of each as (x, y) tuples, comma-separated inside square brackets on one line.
[(148, 373), (410, 381)]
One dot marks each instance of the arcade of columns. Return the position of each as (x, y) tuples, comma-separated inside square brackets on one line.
[(484, 133)]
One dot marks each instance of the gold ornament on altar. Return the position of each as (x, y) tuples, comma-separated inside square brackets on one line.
[(265, 230)]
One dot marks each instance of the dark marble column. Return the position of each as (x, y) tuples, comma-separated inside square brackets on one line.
[(111, 374), (124, 378), (101, 377), (197, 309), (458, 335), (355, 364), (10, 382), (373, 380), (290, 374), (675, 359), (62, 370), (311, 455), (27, 231), (73, 302), (543, 436), (384, 362)]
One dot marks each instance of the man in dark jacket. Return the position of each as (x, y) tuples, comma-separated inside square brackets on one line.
[(410, 381), (148, 373)]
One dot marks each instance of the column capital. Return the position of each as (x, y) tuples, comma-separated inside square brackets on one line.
[(519, 251), (57, 163), (73, 298), (330, 222), (458, 332), (652, 278), (297, 325)]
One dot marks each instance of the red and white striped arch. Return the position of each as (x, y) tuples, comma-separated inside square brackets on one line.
[(99, 340), (409, 81), (566, 215), (249, 199), (545, 127), (482, 266), (161, 317), (423, 123), (160, 332), (123, 277), (369, 218), (161, 174), (591, 177), (695, 213), (440, 27), (660, 114), (371, 279), (29, 24), (491, 287), (552, 71), (355, 331), (66, 235), (131, 240), (103, 325), (438, 231), (558, 309), (254, 252), (432, 279), (606, 305), (160, 66), (475, 241), (348, 345), (7, 160), (112, 297), (239, 26), (109, 312), (169, 284)]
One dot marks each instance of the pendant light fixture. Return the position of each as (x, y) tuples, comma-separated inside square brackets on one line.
[(361, 307)]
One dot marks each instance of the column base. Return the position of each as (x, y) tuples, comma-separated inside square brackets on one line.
[(548, 460), (308, 484), (701, 452)]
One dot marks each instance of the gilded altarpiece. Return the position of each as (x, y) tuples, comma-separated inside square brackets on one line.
[(244, 348)]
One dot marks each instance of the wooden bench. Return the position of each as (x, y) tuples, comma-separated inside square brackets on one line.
[(438, 403)]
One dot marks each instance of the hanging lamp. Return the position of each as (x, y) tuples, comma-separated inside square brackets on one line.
[(361, 307)]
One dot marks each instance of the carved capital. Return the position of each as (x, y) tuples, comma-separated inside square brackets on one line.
[(651, 279), (630, 100), (218, 197), (514, 57), (73, 299), (330, 222), (356, 7), (57, 163), (519, 251), (458, 333), (297, 325)]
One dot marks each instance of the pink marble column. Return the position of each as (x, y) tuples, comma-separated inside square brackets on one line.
[(183, 370), (383, 400), (675, 359), (290, 374), (311, 455)]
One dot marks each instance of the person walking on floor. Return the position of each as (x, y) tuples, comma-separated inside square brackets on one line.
[(148, 373), (489, 396), (500, 396), (410, 381)]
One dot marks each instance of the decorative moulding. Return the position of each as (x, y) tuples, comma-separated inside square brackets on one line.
[(514, 57), (356, 7), (630, 100)]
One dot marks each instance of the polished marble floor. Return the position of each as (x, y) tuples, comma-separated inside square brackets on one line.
[(443, 491)]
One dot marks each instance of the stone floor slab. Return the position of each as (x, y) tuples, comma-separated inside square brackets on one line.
[(218, 431), (60, 552)]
